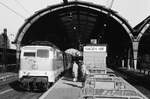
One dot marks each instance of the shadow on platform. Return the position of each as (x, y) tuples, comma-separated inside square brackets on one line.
[(73, 85)]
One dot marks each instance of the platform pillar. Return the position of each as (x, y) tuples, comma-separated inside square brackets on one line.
[(123, 63), (135, 52)]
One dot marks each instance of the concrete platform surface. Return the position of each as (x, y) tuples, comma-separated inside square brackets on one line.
[(65, 88)]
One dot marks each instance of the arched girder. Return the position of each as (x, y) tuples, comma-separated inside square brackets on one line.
[(138, 41), (146, 26), (58, 7)]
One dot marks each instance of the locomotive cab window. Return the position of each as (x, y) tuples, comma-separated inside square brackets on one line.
[(42, 53), (29, 54)]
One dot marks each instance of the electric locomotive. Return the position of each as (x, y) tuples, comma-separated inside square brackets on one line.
[(41, 65)]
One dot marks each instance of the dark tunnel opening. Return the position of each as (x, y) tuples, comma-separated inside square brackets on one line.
[(70, 26)]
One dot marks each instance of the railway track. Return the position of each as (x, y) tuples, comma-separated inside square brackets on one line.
[(13, 91), (139, 82)]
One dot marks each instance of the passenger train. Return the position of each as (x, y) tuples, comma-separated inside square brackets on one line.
[(41, 65)]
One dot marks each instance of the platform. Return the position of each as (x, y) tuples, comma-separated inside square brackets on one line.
[(65, 88)]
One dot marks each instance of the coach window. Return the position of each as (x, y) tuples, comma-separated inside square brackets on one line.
[(42, 53), (29, 54)]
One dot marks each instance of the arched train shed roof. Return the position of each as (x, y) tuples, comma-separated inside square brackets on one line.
[(73, 23)]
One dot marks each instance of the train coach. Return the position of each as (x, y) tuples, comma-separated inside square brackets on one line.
[(41, 65)]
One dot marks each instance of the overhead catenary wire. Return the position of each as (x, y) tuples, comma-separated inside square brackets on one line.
[(22, 6), (17, 13)]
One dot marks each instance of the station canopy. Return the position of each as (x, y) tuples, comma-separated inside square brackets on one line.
[(69, 25)]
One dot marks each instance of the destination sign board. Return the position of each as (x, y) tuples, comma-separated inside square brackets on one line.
[(95, 48)]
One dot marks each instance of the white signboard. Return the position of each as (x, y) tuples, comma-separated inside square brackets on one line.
[(95, 48)]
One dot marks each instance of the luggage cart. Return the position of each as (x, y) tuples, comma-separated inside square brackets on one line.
[(108, 87)]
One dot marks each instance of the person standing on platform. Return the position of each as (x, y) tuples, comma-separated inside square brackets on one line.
[(85, 72), (75, 71)]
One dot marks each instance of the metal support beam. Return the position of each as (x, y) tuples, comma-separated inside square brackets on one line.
[(129, 58), (123, 64), (135, 52)]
